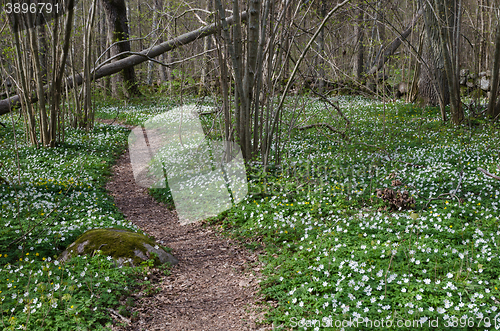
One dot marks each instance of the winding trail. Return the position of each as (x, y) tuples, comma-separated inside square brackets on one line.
[(214, 286)]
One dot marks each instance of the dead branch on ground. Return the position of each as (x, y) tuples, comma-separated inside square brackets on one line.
[(325, 125), (489, 174)]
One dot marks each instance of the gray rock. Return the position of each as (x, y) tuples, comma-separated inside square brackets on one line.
[(486, 73), (125, 247), (163, 256), (484, 83)]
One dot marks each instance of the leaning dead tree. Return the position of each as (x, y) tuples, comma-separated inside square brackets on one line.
[(133, 59), (391, 49)]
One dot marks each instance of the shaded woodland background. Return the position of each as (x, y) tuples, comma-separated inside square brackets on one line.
[(432, 52)]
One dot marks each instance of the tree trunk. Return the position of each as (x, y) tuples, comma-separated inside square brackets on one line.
[(88, 118), (103, 33), (166, 72), (224, 89), (116, 12), (236, 55), (450, 14), (207, 45), (42, 47), (235, 51), (154, 27), (250, 68), (321, 50), (481, 36), (258, 123), (439, 80), (58, 69), (42, 101), (433, 85), (493, 104), (359, 32)]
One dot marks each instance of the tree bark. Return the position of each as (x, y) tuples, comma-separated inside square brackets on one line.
[(450, 15), (494, 104), (42, 46), (433, 84), (207, 45), (321, 50), (42, 101), (236, 55), (439, 80), (391, 49), (258, 123), (154, 27), (88, 119), (116, 12), (359, 61), (250, 68)]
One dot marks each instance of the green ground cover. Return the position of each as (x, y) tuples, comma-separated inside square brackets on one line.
[(57, 195), (336, 253)]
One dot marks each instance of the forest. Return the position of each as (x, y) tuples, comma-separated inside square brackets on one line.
[(249, 165)]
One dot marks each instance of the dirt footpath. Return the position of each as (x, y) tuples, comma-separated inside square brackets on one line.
[(214, 286)]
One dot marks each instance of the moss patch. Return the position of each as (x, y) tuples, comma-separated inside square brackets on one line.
[(125, 247)]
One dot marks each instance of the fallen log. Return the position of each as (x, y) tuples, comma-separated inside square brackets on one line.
[(6, 105)]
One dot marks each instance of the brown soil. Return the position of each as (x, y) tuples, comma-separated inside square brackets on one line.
[(214, 286)]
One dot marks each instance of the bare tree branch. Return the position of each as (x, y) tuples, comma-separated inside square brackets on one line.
[(324, 98), (488, 174)]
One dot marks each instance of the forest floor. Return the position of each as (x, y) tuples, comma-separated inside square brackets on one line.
[(216, 282), (397, 223)]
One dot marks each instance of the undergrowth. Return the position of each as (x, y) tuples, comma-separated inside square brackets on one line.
[(50, 196), (336, 253)]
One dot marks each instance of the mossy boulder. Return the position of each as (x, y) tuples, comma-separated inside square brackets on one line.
[(125, 247)]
